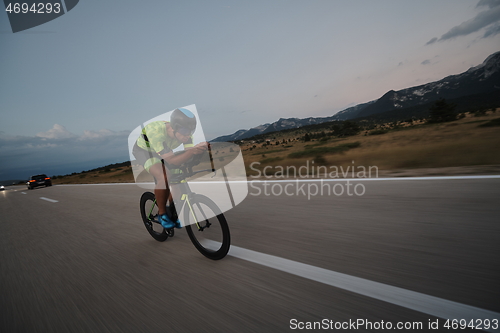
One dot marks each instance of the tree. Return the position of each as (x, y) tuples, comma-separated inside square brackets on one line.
[(349, 128), (441, 111)]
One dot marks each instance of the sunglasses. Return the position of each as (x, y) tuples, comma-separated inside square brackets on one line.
[(185, 131)]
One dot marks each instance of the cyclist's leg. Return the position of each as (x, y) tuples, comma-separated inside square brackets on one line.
[(162, 191), (152, 162)]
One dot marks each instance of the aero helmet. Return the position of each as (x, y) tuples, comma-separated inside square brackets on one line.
[(183, 121)]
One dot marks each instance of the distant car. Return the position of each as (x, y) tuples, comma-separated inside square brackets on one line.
[(2, 188), (38, 180)]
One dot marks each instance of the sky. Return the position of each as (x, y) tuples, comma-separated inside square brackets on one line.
[(72, 89)]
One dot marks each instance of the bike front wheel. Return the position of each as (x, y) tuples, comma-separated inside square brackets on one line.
[(210, 235), (149, 214)]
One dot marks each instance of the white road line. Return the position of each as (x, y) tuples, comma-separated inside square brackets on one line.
[(288, 180), (427, 304), (23, 192), (326, 180), (47, 199)]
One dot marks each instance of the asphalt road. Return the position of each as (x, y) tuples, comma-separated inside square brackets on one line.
[(82, 261)]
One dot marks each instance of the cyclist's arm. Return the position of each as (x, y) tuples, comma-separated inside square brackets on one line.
[(178, 159)]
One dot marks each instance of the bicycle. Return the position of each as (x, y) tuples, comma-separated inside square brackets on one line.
[(210, 234)]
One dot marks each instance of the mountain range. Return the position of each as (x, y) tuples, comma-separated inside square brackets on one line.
[(478, 81)]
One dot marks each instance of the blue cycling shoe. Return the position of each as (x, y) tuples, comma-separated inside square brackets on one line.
[(166, 222)]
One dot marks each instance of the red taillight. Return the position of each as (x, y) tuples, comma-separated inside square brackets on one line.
[(31, 181), (47, 178)]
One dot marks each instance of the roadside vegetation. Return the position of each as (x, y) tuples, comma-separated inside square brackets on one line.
[(113, 173), (444, 139)]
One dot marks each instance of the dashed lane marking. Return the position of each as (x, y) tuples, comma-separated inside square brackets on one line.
[(47, 199)]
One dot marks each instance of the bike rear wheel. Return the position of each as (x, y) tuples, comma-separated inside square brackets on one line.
[(149, 214), (211, 235)]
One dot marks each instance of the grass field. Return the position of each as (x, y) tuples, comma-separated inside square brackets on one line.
[(465, 142), (471, 141)]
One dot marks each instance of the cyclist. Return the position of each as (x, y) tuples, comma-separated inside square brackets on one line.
[(153, 149)]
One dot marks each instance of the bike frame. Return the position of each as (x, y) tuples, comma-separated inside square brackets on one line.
[(187, 194)]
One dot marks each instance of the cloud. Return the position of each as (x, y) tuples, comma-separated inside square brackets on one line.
[(59, 151), (492, 30), (432, 41), (482, 20), (488, 3), (56, 132), (99, 134)]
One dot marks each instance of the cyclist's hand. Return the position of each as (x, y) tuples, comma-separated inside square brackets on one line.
[(200, 148)]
